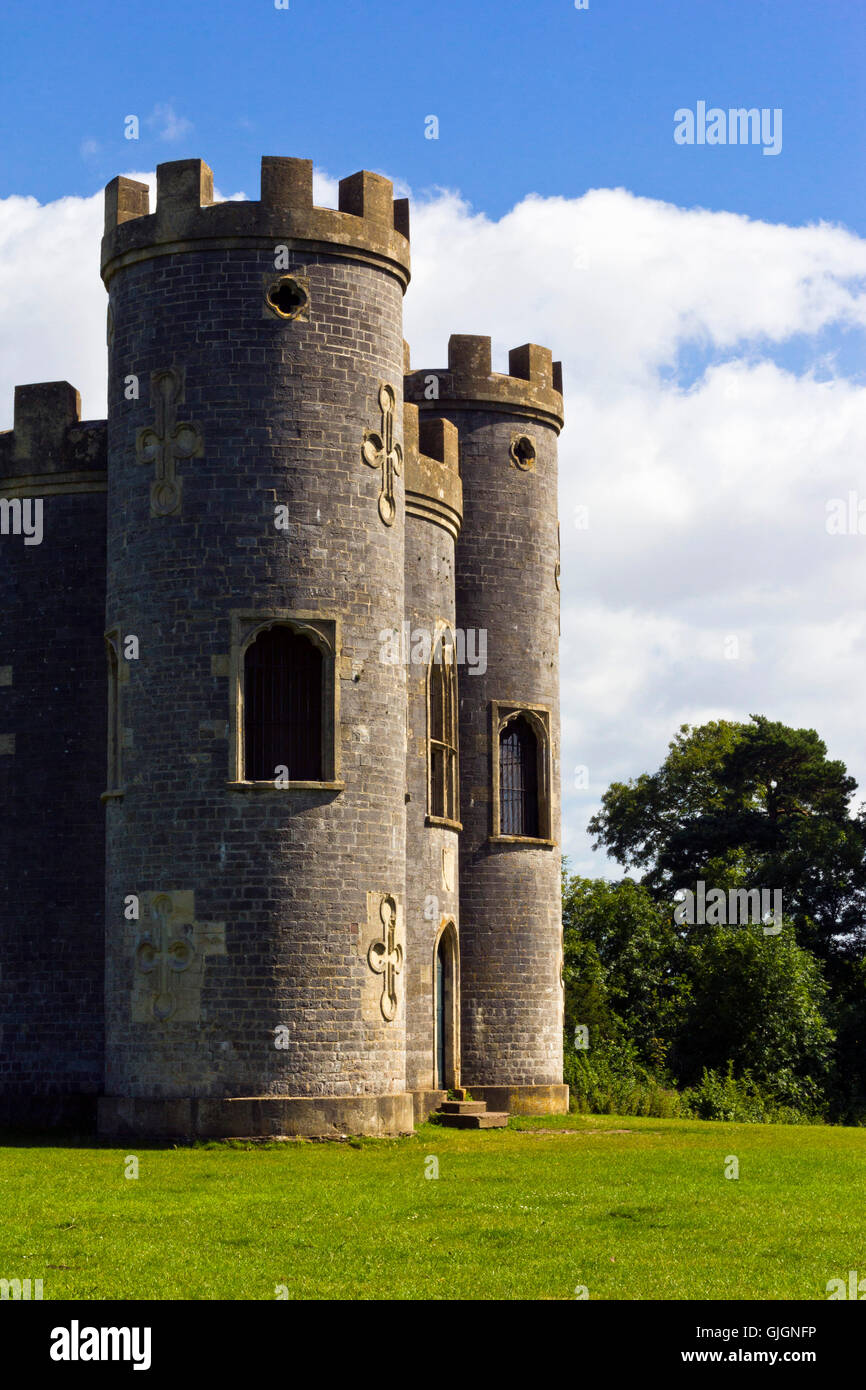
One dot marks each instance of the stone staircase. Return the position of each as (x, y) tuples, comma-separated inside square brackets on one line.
[(471, 1114)]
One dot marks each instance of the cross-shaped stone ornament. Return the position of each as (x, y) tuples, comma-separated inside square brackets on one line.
[(380, 451), (163, 954), (386, 957), (169, 958), (167, 441)]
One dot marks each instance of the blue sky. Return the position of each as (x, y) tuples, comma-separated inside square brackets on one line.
[(532, 95)]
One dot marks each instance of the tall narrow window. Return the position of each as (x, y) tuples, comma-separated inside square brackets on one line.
[(442, 728), (282, 707), (518, 779), (112, 651)]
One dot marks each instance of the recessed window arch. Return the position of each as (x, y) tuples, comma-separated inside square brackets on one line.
[(283, 672), (442, 756), (285, 706), (521, 757), (518, 779)]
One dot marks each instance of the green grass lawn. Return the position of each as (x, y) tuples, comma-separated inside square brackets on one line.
[(630, 1208)]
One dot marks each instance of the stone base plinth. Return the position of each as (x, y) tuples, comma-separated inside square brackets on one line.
[(256, 1117), (522, 1100), (426, 1102), (73, 1112)]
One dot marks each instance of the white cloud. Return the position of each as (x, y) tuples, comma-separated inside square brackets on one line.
[(166, 124), (706, 480), (704, 455)]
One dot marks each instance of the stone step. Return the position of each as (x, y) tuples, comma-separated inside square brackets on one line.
[(490, 1119), (463, 1107)]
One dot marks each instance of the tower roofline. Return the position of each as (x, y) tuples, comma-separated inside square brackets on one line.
[(370, 224), (532, 386), (434, 490), (49, 442)]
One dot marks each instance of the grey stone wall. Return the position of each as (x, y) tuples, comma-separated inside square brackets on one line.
[(282, 407), (52, 762)]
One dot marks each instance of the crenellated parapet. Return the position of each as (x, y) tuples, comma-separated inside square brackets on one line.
[(369, 225), (434, 491), (532, 387), (50, 449)]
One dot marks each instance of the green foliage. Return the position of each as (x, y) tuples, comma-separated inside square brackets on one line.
[(751, 1022), (609, 1080), (848, 1015), (749, 805), (623, 969), (665, 1008), (756, 1003), (740, 1099)]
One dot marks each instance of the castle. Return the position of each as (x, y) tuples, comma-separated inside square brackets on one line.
[(279, 692)]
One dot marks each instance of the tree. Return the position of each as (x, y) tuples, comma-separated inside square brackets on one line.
[(623, 966), (756, 1002), (755, 805)]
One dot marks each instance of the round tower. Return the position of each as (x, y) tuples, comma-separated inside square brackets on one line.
[(507, 609), (256, 838), (429, 647)]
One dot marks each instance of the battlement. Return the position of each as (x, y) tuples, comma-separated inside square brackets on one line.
[(51, 442), (369, 224), (532, 386), (434, 490)]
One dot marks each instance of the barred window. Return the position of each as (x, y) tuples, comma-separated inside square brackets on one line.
[(282, 701), (518, 779), (442, 731)]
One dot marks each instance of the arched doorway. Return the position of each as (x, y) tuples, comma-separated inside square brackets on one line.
[(446, 1013)]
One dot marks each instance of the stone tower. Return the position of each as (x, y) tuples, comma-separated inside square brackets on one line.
[(434, 508), (507, 586), (267, 341), (329, 883)]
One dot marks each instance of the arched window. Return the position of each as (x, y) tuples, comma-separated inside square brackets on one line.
[(282, 701), (442, 731), (518, 779)]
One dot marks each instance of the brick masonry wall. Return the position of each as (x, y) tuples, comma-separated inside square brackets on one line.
[(282, 407), (510, 897), (53, 703), (429, 902)]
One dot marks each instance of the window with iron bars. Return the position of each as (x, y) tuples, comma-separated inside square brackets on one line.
[(442, 742), (518, 780), (282, 706)]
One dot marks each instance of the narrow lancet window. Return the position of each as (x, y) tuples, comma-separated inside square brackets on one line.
[(442, 740)]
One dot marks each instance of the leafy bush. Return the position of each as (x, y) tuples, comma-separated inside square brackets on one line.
[(741, 1100), (608, 1080)]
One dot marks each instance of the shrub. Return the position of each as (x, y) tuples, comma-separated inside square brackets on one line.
[(741, 1100), (608, 1080)]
